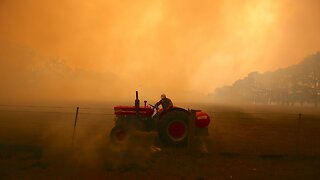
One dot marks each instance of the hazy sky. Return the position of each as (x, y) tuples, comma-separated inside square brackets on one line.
[(172, 46)]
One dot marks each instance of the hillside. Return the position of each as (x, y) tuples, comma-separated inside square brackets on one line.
[(297, 84)]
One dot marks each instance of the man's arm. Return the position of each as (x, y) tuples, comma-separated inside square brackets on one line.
[(158, 103)]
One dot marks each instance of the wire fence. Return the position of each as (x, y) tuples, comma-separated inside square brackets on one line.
[(72, 109), (54, 109), (217, 115)]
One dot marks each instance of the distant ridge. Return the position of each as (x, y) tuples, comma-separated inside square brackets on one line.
[(296, 84)]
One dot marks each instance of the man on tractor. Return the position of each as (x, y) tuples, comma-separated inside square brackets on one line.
[(172, 126), (165, 102)]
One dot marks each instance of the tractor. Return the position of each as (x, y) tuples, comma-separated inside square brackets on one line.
[(174, 126)]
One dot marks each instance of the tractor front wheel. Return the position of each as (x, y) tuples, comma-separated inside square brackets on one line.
[(119, 135)]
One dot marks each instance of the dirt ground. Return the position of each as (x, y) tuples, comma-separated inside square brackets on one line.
[(256, 142)]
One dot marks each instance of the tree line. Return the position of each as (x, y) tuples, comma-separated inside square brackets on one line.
[(295, 85)]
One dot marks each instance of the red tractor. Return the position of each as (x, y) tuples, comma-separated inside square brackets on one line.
[(174, 126)]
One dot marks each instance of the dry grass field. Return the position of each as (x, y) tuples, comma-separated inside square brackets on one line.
[(251, 142)]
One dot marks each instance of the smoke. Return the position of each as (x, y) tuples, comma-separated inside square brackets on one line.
[(91, 149), (183, 48)]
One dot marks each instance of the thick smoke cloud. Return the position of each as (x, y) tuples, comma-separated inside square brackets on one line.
[(183, 48)]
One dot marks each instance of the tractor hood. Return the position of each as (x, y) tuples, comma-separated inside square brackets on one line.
[(131, 110)]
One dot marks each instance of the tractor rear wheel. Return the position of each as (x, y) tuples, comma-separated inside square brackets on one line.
[(173, 128)]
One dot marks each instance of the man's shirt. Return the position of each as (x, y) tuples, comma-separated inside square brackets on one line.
[(166, 103)]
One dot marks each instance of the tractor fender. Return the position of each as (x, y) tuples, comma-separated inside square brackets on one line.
[(173, 109), (158, 117)]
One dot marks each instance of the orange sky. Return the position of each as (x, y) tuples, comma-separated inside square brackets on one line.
[(183, 48)]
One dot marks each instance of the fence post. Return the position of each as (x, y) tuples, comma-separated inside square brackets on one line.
[(191, 129), (75, 124), (298, 135)]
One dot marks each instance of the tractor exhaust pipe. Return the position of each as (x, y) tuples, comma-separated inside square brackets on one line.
[(137, 102)]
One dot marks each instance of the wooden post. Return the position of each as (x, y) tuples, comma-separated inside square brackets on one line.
[(75, 124), (191, 129), (298, 136)]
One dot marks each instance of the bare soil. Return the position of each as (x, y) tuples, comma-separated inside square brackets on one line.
[(256, 142)]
